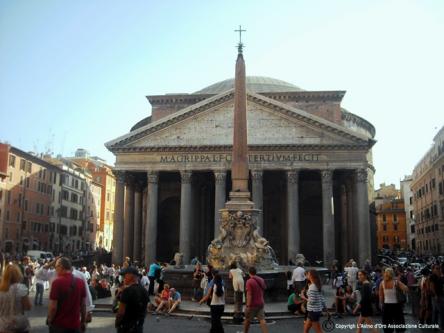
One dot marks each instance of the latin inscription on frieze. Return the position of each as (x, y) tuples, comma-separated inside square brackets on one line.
[(253, 158)]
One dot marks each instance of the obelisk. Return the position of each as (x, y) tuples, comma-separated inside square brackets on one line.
[(239, 240), (239, 195)]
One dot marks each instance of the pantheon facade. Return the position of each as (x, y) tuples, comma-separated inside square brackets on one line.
[(310, 166)]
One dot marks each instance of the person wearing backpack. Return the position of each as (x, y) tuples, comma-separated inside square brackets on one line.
[(255, 301), (133, 304)]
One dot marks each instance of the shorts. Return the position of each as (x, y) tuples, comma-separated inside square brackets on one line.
[(314, 315), (250, 313)]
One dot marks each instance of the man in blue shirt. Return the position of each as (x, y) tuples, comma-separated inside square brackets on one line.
[(174, 300), (153, 274)]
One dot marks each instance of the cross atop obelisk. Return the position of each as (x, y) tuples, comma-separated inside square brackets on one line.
[(240, 45)]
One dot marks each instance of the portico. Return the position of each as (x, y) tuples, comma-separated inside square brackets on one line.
[(309, 174)]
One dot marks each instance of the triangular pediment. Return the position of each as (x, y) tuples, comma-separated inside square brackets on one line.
[(210, 123)]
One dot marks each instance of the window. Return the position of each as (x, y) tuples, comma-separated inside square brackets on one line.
[(65, 195), (395, 227), (74, 197), (12, 160), (107, 196), (8, 197), (395, 218), (40, 173), (22, 164), (73, 214), (411, 200), (27, 182), (411, 214), (63, 230), (384, 227), (64, 211), (20, 200), (26, 204), (412, 229), (433, 183), (28, 167), (7, 215), (384, 218)]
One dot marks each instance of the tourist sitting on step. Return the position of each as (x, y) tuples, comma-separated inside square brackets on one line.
[(295, 304), (174, 300), (162, 300)]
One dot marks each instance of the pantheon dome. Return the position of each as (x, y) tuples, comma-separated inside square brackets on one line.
[(257, 84)]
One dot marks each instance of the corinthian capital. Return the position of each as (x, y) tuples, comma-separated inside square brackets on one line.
[(220, 177), (153, 177), (361, 175), (293, 176), (257, 175), (185, 176), (120, 175), (327, 176)]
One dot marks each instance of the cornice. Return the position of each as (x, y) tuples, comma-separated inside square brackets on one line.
[(360, 122), (177, 98), (228, 148), (307, 96)]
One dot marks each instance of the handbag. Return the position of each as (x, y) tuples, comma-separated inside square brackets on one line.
[(15, 322), (401, 297)]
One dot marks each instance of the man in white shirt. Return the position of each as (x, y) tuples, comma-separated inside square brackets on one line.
[(41, 276), (144, 281), (352, 275), (298, 278)]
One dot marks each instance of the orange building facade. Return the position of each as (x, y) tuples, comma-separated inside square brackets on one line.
[(428, 200), (25, 201), (391, 229), (102, 175)]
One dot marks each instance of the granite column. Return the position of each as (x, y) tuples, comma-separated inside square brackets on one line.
[(151, 217), (119, 216), (364, 243), (128, 232), (138, 204), (258, 197), (219, 198), (328, 227), (185, 216), (294, 231)]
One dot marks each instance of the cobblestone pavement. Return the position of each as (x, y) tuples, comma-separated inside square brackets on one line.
[(103, 322)]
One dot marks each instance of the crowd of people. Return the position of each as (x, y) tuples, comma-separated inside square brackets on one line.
[(137, 290)]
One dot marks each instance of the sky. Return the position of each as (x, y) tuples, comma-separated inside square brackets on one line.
[(75, 74)]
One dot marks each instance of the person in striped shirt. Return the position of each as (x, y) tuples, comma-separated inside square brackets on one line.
[(315, 303)]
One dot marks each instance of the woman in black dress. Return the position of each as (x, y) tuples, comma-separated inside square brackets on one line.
[(365, 305)]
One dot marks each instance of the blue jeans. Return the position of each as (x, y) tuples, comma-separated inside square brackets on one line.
[(39, 288)]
